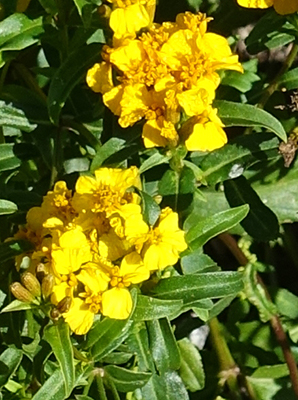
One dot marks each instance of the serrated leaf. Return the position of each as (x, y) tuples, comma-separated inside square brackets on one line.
[(163, 345), (19, 32), (126, 380), (10, 359), (256, 294), (149, 308), (261, 223), (191, 370), (190, 288), (238, 114), (72, 71), (58, 336), (199, 234), (7, 207)]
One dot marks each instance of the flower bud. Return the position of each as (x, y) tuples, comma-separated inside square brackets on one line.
[(55, 314), (21, 293), (41, 271), (31, 283), (64, 305), (47, 285), (104, 11)]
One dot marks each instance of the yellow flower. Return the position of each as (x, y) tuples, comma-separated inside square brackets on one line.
[(281, 6), (81, 315), (129, 16), (160, 245), (204, 132), (117, 301), (71, 253)]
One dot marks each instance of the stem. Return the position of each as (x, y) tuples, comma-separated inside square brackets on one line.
[(273, 86), (3, 75), (100, 387), (113, 388), (230, 371), (276, 325), (88, 386)]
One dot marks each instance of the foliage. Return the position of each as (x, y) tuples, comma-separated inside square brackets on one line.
[(208, 309)]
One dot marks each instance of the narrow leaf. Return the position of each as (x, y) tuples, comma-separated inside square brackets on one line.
[(238, 114), (53, 388), (17, 305), (151, 210), (149, 308), (126, 380), (261, 223), (10, 359), (72, 71), (153, 161), (210, 227), (201, 286), (191, 370), (111, 147), (7, 158), (15, 117), (12, 248), (58, 336), (7, 207)]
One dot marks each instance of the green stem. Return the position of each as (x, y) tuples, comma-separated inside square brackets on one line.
[(88, 386), (99, 383), (273, 86), (3, 75)]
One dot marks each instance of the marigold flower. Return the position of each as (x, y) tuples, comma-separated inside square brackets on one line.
[(170, 69), (129, 16), (282, 7), (160, 245)]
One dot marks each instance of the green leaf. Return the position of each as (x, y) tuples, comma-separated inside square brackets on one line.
[(233, 159), (10, 359), (7, 158), (111, 147), (163, 346), (196, 262), (14, 117), (106, 335), (7, 207), (202, 286), (256, 294), (191, 370), (19, 32), (126, 380), (72, 71), (53, 388), (242, 82), (238, 114), (289, 80), (149, 308), (168, 386), (287, 303), (58, 336), (153, 161), (210, 227), (261, 223), (85, 9), (13, 248), (271, 371), (17, 305), (150, 209)]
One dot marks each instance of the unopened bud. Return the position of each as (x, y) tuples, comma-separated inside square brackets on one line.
[(21, 293), (47, 285), (41, 271), (104, 11), (31, 283), (55, 314), (64, 305)]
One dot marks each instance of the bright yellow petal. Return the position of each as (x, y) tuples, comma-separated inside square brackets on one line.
[(134, 104), (125, 21), (116, 303), (111, 247), (133, 270), (113, 98), (256, 3), (96, 280), (79, 317), (99, 77), (129, 57), (151, 134)]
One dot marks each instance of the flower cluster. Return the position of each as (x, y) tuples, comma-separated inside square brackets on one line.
[(282, 7), (167, 76), (91, 246)]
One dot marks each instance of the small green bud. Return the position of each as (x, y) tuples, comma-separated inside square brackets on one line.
[(31, 283), (21, 293)]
